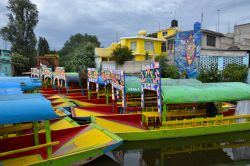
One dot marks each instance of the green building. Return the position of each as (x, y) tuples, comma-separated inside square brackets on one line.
[(5, 62)]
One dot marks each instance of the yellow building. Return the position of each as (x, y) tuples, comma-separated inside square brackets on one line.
[(143, 48), (169, 35)]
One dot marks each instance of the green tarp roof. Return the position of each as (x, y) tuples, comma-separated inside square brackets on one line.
[(205, 92), (177, 91)]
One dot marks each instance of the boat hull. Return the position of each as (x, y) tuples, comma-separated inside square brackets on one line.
[(183, 132)]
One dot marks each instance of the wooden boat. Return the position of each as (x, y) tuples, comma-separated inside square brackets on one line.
[(56, 147), (180, 109), (130, 128)]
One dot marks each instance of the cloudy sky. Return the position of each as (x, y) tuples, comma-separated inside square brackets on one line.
[(107, 19)]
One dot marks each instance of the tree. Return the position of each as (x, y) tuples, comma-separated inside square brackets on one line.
[(19, 62), (167, 71), (23, 18), (70, 52), (235, 73), (122, 54), (43, 47), (210, 74), (83, 56)]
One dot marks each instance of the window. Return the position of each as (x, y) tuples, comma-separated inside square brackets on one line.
[(164, 33), (163, 47), (133, 46), (211, 41), (149, 46), (170, 44)]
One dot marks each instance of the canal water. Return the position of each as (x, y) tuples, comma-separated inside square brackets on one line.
[(217, 150)]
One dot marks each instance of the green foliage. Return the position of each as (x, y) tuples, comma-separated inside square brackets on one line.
[(19, 63), (78, 52), (53, 52), (82, 57), (231, 73), (211, 74), (235, 73), (122, 54), (43, 46), (23, 18), (167, 71)]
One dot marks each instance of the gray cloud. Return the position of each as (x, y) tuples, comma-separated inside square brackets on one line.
[(59, 19)]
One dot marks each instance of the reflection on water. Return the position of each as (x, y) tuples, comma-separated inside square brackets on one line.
[(226, 149)]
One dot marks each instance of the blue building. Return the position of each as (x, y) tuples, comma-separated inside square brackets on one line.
[(5, 62)]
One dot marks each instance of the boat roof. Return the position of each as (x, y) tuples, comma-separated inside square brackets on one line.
[(10, 91), (205, 92), (25, 83), (177, 91), (72, 76), (25, 108)]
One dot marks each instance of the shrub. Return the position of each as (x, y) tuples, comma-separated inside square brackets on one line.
[(122, 54), (235, 73)]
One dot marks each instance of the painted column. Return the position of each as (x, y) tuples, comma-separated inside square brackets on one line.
[(36, 136), (48, 138), (164, 114), (107, 94), (88, 87), (97, 90)]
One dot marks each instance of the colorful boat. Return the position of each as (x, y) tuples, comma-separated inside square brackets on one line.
[(52, 147), (179, 109)]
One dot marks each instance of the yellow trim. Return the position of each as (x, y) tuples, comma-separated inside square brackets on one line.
[(24, 160), (204, 122), (116, 127), (83, 113), (28, 148), (16, 128)]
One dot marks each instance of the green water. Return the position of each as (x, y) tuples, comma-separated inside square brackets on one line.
[(217, 150)]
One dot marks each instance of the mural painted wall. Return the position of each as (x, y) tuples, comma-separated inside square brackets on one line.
[(188, 50)]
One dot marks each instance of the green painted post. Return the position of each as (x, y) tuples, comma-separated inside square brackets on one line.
[(35, 128), (164, 114), (48, 138), (107, 95), (88, 94)]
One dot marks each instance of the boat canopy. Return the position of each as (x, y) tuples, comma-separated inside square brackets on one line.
[(205, 92), (72, 77), (25, 83), (25, 108), (100, 80), (169, 81), (10, 91)]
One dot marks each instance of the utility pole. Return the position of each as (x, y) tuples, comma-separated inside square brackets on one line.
[(218, 30)]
